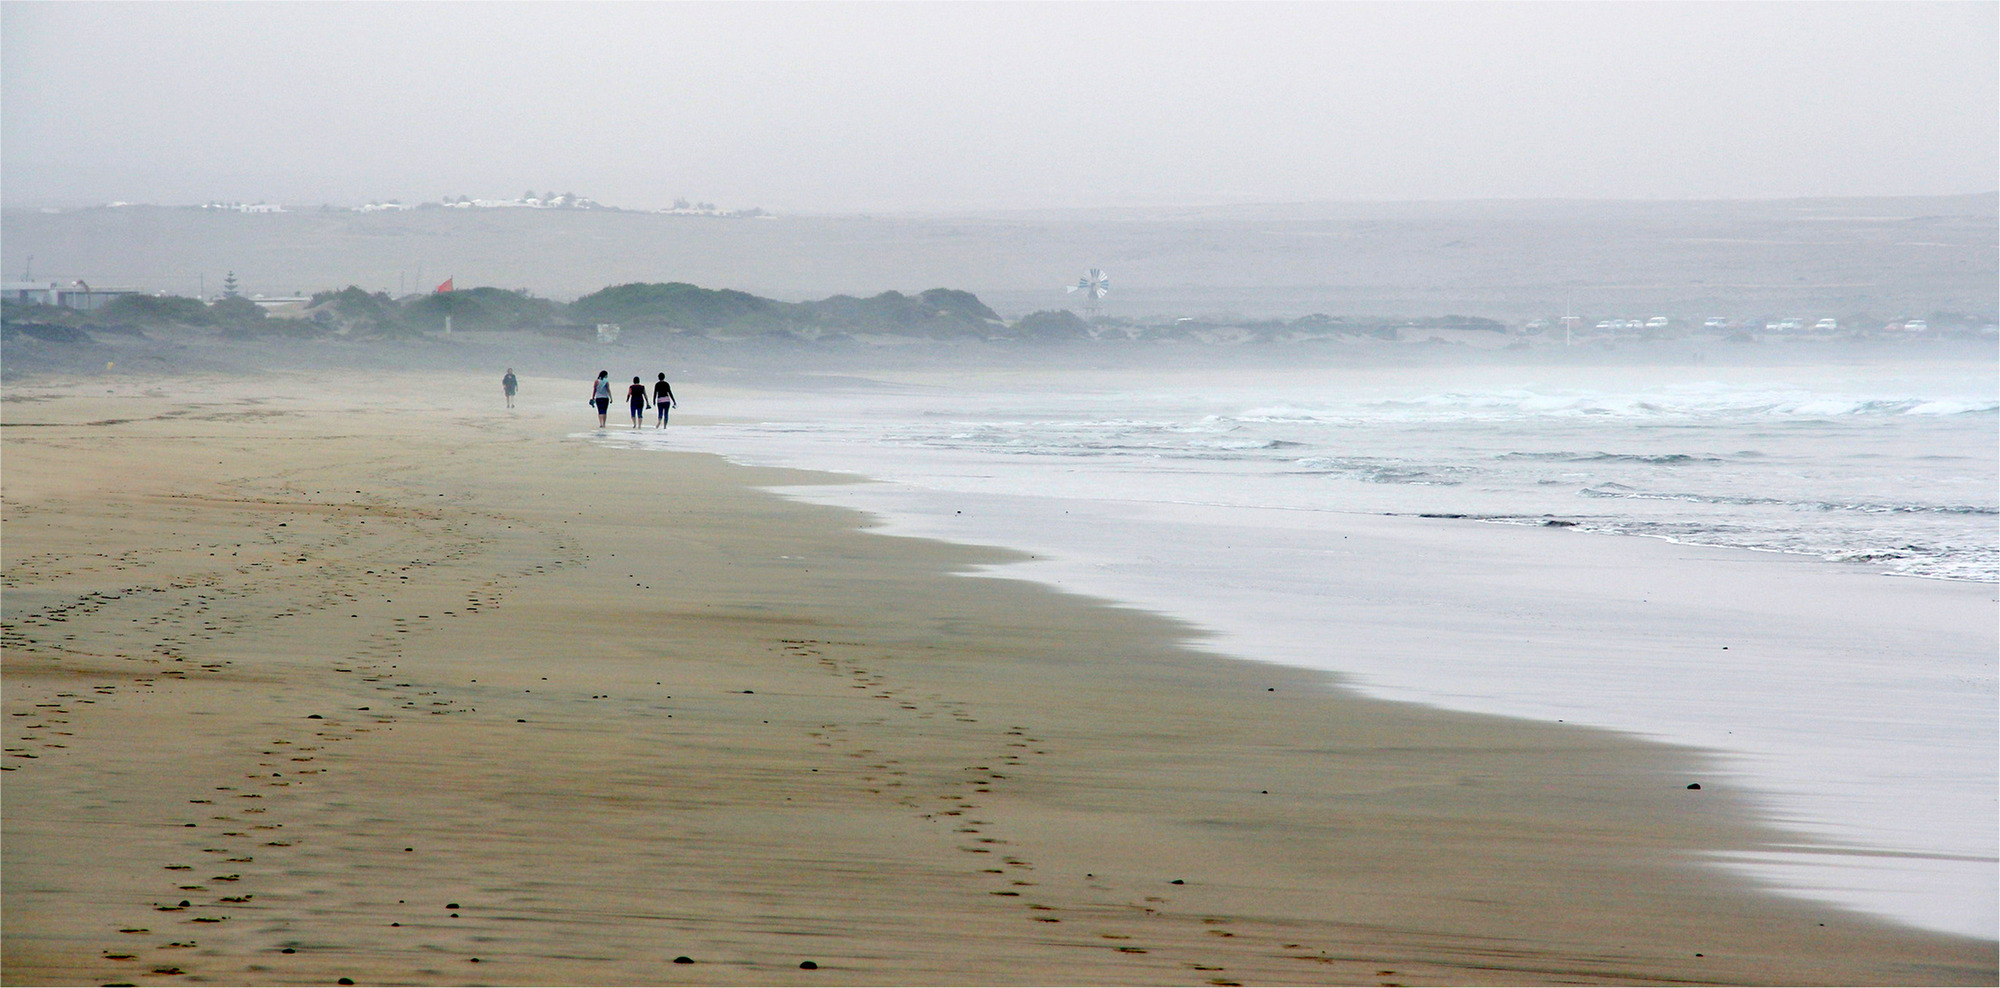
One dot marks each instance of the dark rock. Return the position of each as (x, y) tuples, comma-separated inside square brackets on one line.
[(1177, 882), (345, 981), (1694, 785), (684, 959), (808, 966), (288, 950), (451, 905), (314, 717)]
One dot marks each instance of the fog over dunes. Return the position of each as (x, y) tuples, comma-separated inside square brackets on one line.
[(1876, 257)]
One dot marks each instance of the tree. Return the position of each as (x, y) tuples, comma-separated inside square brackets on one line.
[(235, 310)]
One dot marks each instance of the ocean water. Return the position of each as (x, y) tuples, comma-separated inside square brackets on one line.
[(1236, 501)]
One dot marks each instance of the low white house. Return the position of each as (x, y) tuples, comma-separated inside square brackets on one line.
[(76, 295)]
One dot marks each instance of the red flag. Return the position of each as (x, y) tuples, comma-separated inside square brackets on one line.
[(443, 288)]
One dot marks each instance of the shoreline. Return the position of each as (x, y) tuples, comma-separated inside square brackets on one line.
[(1826, 857), (927, 733), (1832, 706)]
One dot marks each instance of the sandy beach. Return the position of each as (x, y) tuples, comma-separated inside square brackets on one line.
[(308, 679)]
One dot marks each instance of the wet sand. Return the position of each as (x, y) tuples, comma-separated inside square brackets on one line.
[(427, 695)]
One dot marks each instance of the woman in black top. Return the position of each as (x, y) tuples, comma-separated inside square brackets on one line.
[(663, 398), (636, 394)]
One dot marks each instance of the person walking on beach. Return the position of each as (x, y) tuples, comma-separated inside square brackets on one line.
[(636, 395), (600, 395), (508, 384), (663, 399)]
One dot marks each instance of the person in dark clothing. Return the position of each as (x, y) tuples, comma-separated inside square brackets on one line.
[(508, 385), (663, 399), (636, 395)]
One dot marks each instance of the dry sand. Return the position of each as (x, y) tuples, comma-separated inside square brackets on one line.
[(431, 695)]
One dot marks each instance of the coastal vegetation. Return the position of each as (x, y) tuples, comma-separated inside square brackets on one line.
[(665, 310)]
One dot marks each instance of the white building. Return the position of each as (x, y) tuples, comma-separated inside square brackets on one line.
[(76, 295)]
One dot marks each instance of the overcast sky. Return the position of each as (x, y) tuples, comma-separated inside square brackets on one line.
[(838, 107)]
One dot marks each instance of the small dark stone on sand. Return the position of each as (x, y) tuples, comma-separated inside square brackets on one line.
[(451, 905), (314, 717), (1177, 882), (1694, 785), (288, 950), (808, 966), (475, 960), (684, 959), (345, 981), (1270, 689), (184, 903)]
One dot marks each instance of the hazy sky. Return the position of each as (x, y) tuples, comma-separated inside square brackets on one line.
[(836, 107)]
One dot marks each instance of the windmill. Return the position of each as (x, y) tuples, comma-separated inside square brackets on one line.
[(1094, 285)]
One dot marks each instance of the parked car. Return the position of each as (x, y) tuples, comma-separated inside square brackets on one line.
[(1827, 325), (1916, 326), (1657, 322), (1791, 325), (1715, 322)]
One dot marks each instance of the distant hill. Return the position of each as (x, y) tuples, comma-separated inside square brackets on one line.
[(673, 307), (940, 313), (1506, 260)]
